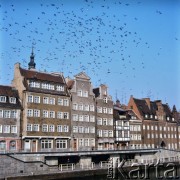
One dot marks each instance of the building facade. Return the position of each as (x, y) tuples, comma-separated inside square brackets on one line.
[(104, 118), (83, 131), (46, 114), (10, 109)]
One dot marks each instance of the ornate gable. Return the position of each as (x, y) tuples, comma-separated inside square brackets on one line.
[(82, 75)]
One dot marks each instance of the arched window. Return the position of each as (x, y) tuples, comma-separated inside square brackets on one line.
[(2, 145), (12, 145)]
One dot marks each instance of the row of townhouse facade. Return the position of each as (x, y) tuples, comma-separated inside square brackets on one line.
[(47, 112)]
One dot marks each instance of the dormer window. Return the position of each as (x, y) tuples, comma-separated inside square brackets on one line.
[(34, 84), (146, 116), (155, 117), (151, 116), (12, 100), (2, 98), (168, 118), (60, 88), (172, 119)]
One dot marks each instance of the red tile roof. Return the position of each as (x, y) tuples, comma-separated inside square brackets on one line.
[(8, 91)]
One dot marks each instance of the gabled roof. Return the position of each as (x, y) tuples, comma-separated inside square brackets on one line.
[(82, 75), (32, 74)]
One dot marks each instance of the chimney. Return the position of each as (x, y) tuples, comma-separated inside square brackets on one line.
[(148, 102)]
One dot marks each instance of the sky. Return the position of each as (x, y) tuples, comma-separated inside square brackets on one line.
[(131, 46)]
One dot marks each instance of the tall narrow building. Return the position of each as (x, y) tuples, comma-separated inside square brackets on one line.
[(46, 108)]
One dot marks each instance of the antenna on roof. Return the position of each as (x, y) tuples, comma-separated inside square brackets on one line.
[(116, 95)]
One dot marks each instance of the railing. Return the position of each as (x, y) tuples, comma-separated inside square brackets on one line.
[(67, 167)]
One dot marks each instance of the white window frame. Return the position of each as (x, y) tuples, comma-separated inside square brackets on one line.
[(37, 99), (2, 98), (13, 129), (12, 100)]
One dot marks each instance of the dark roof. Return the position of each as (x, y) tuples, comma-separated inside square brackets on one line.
[(167, 110), (96, 92), (32, 74), (9, 91)]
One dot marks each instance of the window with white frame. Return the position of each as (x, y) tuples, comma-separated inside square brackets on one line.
[(105, 133), (60, 88), (110, 133), (36, 99), (99, 121), (92, 118), (81, 129), (1, 113), (110, 122), (6, 129), (30, 113), (12, 100), (52, 100), (51, 114), (104, 110), (13, 114), (86, 107), (1, 128), (75, 129), (86, 142), (105, 100), (51, 128), (99, 133), (46, 144), (81, 118), (2, 98), (13, 129), (34, 84), (110, 111), (80, 107), (81, 142), (91, 142), (59, 128), (44, 128), (29, 127), (75, 106), (7, 114), (30, 99), (45, 114), (86, 118), (65, 128), (92, 129), (79, 93), (147, 127), (75, 117), (152, 128), (86, 129), (91, 107), (66, 102), (99, 109), (36, 113), (60, 115), (104, 121), (46, 100), (61, 144), (66, 115), (60, 101), (85, 93), (35, 127)]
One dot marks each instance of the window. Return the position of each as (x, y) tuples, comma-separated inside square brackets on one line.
[(110, 133), (2, 98), (92, 119), (75, 106), (13, 114), (75, 117), (44, 128), (66, 102), (45, 100), (34, 84), (60, 115), (46, 144), (152, 128), (80, 107), (45, 114), (79, 93), (51, 128), (13, 129), (86, 118), (36, 99), (86, 129), (29, 127), (29, 113), (147, 127), (92, 129), (65, 128), (1, 113), (75, 129), (86, 142), (86, 107), (30, 99), (104, 110), (7, 114), (99, 121), (99, 109), (91, 107), (60, 88), (91, 142), (36, 127), (81, 129), (51, 114), (61, 144), (110, 111), (47, 86), (105, 133), (168, 118), (80, 117), (66, 115), (85, 93), (81, 142), (146, 116), (105, 100), (104, 121), (36, 113), (151, 116), (59, 128), (0, 128), (12, 100), (51, 100), (60, 101), (99, 133)]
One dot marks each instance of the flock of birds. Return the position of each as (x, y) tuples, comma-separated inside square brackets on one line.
[(89, 36)]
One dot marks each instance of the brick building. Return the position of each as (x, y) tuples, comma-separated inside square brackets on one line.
[(46, 108), (104, 118), (159, 127), (10, 109), (83, 131)]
